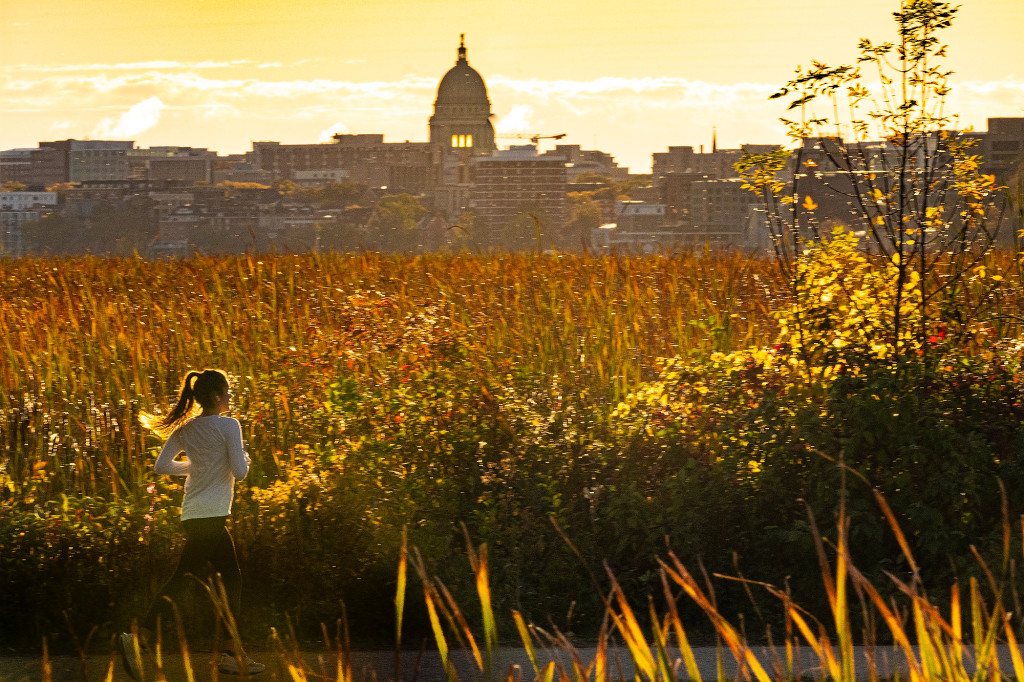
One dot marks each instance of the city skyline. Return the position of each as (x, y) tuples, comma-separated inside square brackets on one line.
[(630, 82)]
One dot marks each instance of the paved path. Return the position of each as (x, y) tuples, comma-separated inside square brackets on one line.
[(372, 666)]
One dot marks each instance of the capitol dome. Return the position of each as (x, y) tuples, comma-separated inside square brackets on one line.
[(462, 84), (462, 112)]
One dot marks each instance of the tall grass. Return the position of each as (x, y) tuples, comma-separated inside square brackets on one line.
[(90, 342), (931, 641)]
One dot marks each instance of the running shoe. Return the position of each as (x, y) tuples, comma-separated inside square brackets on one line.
[(130, 655), (229, 665)]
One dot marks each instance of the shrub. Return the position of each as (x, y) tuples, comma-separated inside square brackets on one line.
[(935, 434)]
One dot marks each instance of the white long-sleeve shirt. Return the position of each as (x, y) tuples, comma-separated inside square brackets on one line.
[(216, 458)]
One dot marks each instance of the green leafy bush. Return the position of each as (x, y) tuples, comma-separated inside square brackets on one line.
[(935, 434)]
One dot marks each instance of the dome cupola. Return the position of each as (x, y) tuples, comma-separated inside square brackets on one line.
[(462, 111), (462, 84)]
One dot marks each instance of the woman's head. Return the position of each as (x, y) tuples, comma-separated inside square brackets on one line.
[(208, 386), (204, 389)]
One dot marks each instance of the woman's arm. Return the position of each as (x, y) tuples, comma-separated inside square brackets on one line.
[(167, 462), (237, 457)]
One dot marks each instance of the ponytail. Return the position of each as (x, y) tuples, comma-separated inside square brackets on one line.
[(197, 390)]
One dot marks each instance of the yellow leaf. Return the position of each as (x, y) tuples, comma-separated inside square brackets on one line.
[(809, 203)]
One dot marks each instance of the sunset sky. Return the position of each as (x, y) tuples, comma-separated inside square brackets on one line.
[(630, 78)]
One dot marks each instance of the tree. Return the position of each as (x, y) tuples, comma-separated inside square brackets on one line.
[(590, 177), (612, 189), (51, 234), (917, 194), (585, 216), (527, 230), (635, 182), (286, 187), (122, 229), (340, 194), (464, 231), (585, 207), (12, 186), (393, 225), (61, 188), (231, 184)]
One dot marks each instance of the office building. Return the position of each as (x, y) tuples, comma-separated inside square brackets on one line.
[(412, 167), (517, 180), (92, 160), (36, 168), (16, 209)]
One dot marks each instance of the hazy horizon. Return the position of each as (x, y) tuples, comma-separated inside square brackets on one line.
[(221, 75)]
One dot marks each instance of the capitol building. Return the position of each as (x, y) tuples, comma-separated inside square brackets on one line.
[(461, 126), (462, 111), (459, 168)]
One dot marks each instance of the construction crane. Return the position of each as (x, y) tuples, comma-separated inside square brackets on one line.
[(534, 139), (537, 138)]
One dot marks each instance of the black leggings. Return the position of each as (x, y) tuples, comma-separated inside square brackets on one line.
[(207, 541)]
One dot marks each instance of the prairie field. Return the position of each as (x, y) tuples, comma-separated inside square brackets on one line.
[(90, 342), (457, 343), (522, 401)]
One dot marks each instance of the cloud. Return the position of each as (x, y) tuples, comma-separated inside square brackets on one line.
[(138, 119), (227, 109), (112, 85), (515, 121), (163, 64), (605, 86), (330, 132), (1005, 95), (209, 111)]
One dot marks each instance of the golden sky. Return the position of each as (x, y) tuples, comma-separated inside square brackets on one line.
[(628, 78)]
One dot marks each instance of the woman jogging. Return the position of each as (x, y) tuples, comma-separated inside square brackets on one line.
[(215, 459)]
